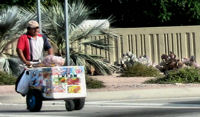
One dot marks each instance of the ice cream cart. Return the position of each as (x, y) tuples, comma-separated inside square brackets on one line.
[(54, 83)]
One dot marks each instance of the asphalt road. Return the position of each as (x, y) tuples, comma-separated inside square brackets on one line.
[(174, 107)]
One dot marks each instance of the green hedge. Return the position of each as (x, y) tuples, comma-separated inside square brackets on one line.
[(183, 75), (6, 79), (93, 83)]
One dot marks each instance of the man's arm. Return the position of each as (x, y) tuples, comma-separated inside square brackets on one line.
[(21, 56), (20, 48), (47, 46), (50, 51)]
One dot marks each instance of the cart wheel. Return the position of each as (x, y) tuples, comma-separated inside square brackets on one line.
[(69, 105), (34, 100), (79, 103)]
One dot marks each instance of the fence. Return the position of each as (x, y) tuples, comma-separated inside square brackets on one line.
[(152, 41)]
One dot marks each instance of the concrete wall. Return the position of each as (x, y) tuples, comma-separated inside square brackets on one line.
[(184, 41)]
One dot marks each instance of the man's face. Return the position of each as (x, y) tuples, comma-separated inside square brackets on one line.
[(33, 31)]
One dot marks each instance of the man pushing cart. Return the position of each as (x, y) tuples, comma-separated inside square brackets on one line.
[(48, 80)]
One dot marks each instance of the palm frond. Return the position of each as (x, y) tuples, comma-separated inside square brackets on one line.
[(78, 11), (13, 21), (8, 19), (97, 43), (99, 64), (14, 65), (81, 32)]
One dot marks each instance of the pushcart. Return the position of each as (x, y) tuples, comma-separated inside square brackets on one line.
[(54, 83)]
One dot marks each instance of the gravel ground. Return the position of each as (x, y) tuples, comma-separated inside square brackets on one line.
[(115, 82)]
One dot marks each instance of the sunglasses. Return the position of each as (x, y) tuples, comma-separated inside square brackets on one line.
[(33, 28)]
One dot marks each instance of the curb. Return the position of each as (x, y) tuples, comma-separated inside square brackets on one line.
[(145, 94)]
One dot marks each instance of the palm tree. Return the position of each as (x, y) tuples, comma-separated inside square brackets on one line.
[(13, 21), (54, 23)]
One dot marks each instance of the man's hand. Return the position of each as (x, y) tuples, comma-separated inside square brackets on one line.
[(27, 63)]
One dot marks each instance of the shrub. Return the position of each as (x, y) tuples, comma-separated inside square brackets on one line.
[(93, 83), (170, 62), (6, 79), (130, 59), (183, 75), (139, 69)]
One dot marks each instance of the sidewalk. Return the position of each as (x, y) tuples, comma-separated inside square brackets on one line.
[(8, 95)]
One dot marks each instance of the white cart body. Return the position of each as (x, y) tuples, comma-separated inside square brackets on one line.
[(63, 82)]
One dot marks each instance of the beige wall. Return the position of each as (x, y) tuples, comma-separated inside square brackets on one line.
[(152, 41)]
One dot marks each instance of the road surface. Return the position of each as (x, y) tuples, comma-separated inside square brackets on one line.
[(173, 107)]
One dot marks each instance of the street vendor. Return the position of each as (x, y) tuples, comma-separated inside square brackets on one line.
[(30, 46)]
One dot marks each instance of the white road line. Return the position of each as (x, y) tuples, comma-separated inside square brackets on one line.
[(157, 99), (142, 104), (170, 98), (10, 115), (168, 107), (4, 104), (111, 103)]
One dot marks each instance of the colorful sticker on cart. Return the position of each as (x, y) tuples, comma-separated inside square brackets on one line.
[(59, 89), (74, 89), (73, 81)]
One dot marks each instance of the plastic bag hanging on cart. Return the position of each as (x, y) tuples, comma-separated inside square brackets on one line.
[(23, 84)]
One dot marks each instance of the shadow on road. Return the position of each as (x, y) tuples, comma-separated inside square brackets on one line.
[(149, 112), (196, 102)]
